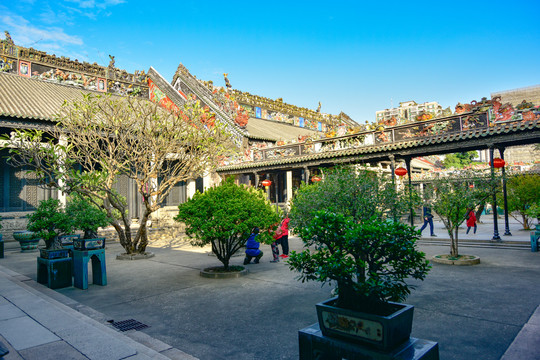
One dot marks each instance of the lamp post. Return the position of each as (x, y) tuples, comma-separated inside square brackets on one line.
[(506, 224), (496, 236), (400, 171)]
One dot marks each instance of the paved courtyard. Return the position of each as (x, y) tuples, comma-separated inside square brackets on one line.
[(474, 312)]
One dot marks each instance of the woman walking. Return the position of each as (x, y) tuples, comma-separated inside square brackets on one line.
[(471, 221)]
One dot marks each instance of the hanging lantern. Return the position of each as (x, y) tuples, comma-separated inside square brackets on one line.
[(266, 183), (400, 171), (498, 163), (471, 186), (316, 178)]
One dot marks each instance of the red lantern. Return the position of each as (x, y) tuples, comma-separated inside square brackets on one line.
[(471, 186), (266, 182), (498, 163), (316, 178), (400, 171)]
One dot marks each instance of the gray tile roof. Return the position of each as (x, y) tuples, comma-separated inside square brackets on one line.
[(26, 98)]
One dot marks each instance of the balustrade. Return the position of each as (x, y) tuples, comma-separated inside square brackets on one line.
[(447, 126)]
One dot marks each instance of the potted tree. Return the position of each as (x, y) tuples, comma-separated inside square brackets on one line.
[(352, 239), (87, 218), (48, 222), (223, 216)]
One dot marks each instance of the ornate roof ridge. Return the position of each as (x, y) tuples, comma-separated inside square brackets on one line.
[(115, 80), (270, 104)]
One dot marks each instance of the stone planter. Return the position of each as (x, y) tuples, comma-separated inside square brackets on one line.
[(27, 240), (67, 240), (53, 254), (464, 260), (381, 332), (88, 244)]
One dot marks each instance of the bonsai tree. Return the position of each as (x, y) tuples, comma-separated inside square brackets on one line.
[(86, 216), (452, 197), (224, 216), (50, 221), (351, 238)]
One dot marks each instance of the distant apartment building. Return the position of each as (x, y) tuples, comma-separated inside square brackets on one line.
[(408, 111)]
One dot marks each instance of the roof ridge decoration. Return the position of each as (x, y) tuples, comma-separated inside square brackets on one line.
[(270, 109), (32, 63), (224, 110), (264, 108)]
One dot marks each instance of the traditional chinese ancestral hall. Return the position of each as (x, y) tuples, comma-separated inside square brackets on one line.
[(276, 140)]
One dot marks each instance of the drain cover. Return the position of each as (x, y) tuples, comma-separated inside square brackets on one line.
[(126, 325)]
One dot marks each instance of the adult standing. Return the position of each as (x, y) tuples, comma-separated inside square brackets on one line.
[(284, 239)]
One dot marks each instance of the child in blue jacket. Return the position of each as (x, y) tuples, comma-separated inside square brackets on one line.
[(252, 248)]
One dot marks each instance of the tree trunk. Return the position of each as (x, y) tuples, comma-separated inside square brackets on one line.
[(479, 212), (454, 243), (526, 225)]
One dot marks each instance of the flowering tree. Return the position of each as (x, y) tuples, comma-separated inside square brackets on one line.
[(102, 137)]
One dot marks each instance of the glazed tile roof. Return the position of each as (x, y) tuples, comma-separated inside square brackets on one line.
[(508, 128)]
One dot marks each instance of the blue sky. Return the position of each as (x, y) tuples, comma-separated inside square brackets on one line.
[(352, 56)]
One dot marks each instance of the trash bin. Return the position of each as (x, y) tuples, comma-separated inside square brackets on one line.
[(534, 241)]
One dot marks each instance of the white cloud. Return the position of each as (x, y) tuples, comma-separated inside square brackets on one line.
[(91, 4), (25, 34), (92, 8)]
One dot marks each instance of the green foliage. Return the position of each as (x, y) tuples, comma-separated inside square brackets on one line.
[(459, 160), (523, 192), (533, 211), (360, 194), (86, 216), (369, 260), (453, 196), (350, 235), (49, 221), (224, 216)]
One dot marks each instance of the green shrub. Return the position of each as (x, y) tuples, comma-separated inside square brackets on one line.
[(224, 216)]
